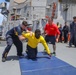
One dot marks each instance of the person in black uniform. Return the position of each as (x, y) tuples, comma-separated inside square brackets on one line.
[(65, 31), (13, 36), (73, 33), (60, 29)]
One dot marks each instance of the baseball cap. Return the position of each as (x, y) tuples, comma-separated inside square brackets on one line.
[(25, 23)]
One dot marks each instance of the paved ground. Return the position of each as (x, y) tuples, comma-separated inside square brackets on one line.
[(12, 64)]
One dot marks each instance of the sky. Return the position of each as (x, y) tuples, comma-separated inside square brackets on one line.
[(1, 16)]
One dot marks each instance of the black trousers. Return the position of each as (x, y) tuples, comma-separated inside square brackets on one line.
[(72, 40), (31, 52), (14, 41), (60, 38), (50, 39), (65, 37)]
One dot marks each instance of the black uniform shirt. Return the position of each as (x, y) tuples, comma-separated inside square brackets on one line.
[(15, 32)]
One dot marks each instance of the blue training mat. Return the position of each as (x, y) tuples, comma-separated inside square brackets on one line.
[(45, 66)]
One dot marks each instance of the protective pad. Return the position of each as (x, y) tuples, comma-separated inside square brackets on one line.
[(45, 66)]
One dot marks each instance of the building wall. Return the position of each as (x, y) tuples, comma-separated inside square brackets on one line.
[(66, 16), (36, 10), (71, 12)]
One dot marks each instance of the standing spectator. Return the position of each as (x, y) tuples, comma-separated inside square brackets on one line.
[(51, 30), (73, 32), (60, 29), (13, 36), (58, 25), (65, 31)]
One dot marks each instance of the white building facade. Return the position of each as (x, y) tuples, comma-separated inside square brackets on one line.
[(35, 11)]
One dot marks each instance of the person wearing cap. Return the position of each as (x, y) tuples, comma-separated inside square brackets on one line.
[(13, 36), (73, 32)]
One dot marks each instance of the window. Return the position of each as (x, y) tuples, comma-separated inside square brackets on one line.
[(18, 11)]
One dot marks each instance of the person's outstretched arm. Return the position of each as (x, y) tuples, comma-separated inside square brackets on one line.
[(46, 46)]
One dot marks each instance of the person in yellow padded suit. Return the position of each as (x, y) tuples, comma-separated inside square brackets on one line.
[(32, 43)]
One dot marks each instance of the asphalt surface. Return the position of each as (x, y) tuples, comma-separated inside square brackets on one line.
[(12, 67)]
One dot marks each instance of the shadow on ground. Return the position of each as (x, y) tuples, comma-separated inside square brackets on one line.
[(12, 58)]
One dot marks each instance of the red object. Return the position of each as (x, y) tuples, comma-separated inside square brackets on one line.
[(12, 17), (54, 5), (68, 37), (51, 29), (53, 10), (46, 16), (62, 38), (29, 28)]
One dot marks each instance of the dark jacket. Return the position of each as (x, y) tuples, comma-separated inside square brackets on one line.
[(73, 28), (66, 29)]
